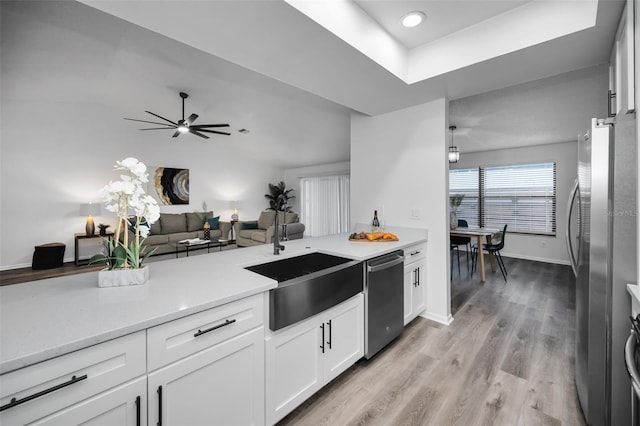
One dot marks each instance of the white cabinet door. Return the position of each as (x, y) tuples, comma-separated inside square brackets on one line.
[(41, 390), (622, 65), (302, 358), (344, 338), (409, 280), (294, 369), (415, 288), (124, 405), (419, 290), (221, 385)]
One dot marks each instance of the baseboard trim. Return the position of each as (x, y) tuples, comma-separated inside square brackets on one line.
[(437, 317), (536, 259)]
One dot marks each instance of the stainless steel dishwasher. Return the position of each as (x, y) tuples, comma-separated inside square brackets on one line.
[(383, 301)]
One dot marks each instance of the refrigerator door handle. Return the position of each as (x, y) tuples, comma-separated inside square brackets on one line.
[(570, 205)]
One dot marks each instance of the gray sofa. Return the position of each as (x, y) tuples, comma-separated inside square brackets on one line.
[(256, 232), (171, 228)]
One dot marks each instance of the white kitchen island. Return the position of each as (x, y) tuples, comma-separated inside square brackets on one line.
[(50, 327)]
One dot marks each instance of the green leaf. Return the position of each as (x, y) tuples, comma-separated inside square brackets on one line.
[(98, 258), (119, 255)]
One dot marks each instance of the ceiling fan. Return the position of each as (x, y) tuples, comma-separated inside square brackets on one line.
[(184, 125)]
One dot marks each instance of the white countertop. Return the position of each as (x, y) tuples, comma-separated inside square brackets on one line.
[(47, 318)]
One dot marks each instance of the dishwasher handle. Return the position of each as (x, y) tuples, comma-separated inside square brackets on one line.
[(385, 265)]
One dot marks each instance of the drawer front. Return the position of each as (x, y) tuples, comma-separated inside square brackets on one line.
[(177, 339), (60, 382), (415, 253)]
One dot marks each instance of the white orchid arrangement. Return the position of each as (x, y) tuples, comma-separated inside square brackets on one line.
[(122, 198)]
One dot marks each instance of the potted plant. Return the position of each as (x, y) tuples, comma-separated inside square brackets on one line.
[(279, 197), (135, 211), (454, 201)]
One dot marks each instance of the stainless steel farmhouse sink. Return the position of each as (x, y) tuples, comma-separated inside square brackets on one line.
[(308, 284)]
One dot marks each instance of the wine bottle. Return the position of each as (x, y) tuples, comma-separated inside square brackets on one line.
[(375, 223)]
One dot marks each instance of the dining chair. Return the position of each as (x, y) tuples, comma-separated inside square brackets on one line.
[(492, 249), (456, 241)]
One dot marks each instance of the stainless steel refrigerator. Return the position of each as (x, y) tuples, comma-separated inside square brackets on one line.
[(603, 255)]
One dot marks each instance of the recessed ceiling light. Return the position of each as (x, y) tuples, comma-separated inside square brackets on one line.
[(412, 19)]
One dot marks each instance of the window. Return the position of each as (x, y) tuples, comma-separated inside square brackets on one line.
[(466, 181), (325, 205), (522, 196)]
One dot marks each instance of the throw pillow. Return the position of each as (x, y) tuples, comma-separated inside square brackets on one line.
[(195, 221), (214, 222), (173, 223), (252, 224)]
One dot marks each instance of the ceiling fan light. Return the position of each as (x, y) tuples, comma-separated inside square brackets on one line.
[(413, 19)]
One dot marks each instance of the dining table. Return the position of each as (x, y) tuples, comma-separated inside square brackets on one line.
[(478, 234)]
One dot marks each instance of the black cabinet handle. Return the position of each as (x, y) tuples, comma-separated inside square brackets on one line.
[(322, 345), (330, 338), (159, 406), (417, 277), (138, 411), (215, 327), (610, 97), (14, 402)]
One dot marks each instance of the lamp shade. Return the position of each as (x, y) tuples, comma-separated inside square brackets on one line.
[(89, 209), (454, 152)]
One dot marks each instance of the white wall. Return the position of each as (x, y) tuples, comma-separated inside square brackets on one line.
[(292, 176), (535, 247), (71, 73), (398, 164), (49, 170)]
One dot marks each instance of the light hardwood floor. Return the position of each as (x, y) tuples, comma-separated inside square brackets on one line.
[(507, 359)]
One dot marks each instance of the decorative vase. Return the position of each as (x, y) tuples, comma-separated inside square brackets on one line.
[(90, 227), (123, 277), (207, 231), (453, 220)]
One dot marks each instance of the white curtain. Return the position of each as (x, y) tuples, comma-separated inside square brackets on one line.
[(325, 205)]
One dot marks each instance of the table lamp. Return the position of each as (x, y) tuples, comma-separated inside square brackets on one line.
[(90, 209), (234, 216)]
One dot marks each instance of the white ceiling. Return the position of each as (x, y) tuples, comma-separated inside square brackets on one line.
[(282, 39), (443, 16), (267, 66)]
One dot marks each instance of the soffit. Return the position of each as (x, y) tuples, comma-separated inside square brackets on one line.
[(443, 16), (280, 41)]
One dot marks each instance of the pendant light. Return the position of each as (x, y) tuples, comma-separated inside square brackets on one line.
[(454, 154)]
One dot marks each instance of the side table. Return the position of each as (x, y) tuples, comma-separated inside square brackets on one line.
[(83, 236)]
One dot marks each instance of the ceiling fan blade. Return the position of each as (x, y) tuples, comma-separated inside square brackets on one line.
[(159, 128), (211, 131), (162, 118), (191, 119), (195, 132), (200, 126), (176, 134), (169, 126)]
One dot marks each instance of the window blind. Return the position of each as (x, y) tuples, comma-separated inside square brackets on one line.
[(466, 181), (325, 205), (522, 196)]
